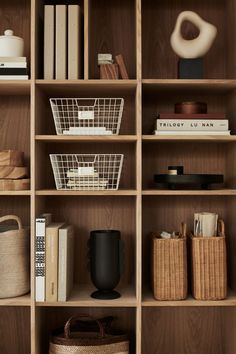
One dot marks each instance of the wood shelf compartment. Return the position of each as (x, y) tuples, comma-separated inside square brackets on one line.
[(156, 100), (39, 31), (96, 213), (44, 117), (16, 15), (45, 178), (196, 158), (112, 29), (15, 330), (166, 213), (87, 138), (188, 330), (80, 297), (119, 192), (51, 318), (158, 21)]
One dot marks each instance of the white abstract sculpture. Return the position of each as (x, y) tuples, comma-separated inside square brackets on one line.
[(197, 47)]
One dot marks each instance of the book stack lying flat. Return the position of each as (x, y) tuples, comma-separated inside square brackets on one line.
[(192, 124), (85, 178), (13, 68), (54, 266)]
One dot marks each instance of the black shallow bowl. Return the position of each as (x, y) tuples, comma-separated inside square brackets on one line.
[(178, 181)]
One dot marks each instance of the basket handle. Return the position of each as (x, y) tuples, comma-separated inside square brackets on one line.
[(183, 229), (12, 217), (67, 328), (221, 228)]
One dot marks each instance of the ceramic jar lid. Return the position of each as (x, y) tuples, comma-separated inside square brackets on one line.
[(9, 34)]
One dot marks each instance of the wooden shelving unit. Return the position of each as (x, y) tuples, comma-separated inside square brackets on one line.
[(140, 30)]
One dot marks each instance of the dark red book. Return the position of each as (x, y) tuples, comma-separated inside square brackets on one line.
[(215, 115)]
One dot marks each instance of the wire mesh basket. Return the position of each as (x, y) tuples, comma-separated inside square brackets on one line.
[(87, 116), (87, 171)]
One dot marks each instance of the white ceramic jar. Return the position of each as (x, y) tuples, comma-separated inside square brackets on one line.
[(10, 45)]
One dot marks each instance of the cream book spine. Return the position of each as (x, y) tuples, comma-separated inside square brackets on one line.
[(49, 42), (74, 42), (61, 31), (52, 236), (66, 262)]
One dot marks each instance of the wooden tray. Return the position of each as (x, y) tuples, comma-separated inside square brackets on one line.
[(11, 158), (14, 184), (11, 172)]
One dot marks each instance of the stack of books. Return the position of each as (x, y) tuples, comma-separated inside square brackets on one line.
[(192, 124), (54, 260), (13, 68)]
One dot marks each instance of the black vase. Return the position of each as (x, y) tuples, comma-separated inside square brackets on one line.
[(105, 262)]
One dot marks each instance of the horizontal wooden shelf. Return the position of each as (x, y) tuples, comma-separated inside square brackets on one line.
[(230, 192), (87, 138), (17, 193), (15, 87), (16, 301), (80, 297), (149, 301), (215, 85), (120, 192), (186, 138)]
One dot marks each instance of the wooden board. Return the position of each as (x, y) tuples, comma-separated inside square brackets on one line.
[(14, 184), (11, 158), (11, 172)]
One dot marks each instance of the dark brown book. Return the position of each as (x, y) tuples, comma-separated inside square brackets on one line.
[(109, 72), (215, 115), (123, 71)]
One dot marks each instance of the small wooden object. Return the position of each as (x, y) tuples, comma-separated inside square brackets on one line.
[(14, 184), (11, 172), (109, 72), (191, 107), (11, 158), (122, 67)]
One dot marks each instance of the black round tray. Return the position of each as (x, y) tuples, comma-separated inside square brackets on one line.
[(175, 181)]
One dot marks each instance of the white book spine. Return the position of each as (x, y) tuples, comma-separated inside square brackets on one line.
[(14, 77), (49, 42), (191, 133), (61, 32), (40, 259), (192, 124), (73, 42), (62, 267), (13, 65)]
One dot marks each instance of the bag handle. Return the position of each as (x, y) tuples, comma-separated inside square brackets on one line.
[(12, 217), (221, 228), (183, 230), (67, 328)]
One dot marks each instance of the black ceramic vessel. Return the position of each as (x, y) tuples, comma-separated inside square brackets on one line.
[(105, 262)]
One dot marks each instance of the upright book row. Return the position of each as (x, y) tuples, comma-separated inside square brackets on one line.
[(62, 42), (53, 259)]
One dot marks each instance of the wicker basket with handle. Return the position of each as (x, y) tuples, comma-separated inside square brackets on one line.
[(169, 267), (14, 259), (209, 269), (80, 342)]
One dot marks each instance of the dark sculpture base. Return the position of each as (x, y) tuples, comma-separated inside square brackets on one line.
[(190, 68), (105, 295)]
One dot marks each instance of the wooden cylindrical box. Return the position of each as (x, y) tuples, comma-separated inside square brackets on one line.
[(209, 268), (169, 267), (14, 260)]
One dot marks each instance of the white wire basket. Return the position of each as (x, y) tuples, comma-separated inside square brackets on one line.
[(87, 172), (87, 116)]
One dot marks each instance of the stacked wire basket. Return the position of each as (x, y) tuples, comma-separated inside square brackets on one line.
[(87, 116)]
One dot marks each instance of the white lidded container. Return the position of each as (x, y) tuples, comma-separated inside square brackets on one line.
[(10, 45)]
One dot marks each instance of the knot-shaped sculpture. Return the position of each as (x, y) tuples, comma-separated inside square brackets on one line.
[(197, 47)]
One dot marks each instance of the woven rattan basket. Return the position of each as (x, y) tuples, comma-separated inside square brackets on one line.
[(209, 269), (14, 259), (169, 267), (80, 342)]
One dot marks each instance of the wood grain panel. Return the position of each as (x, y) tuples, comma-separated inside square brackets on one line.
[(52, 318), (16, 205), (15, 330), (183, 331), (92, 213), (112, 30), (159, 60)]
